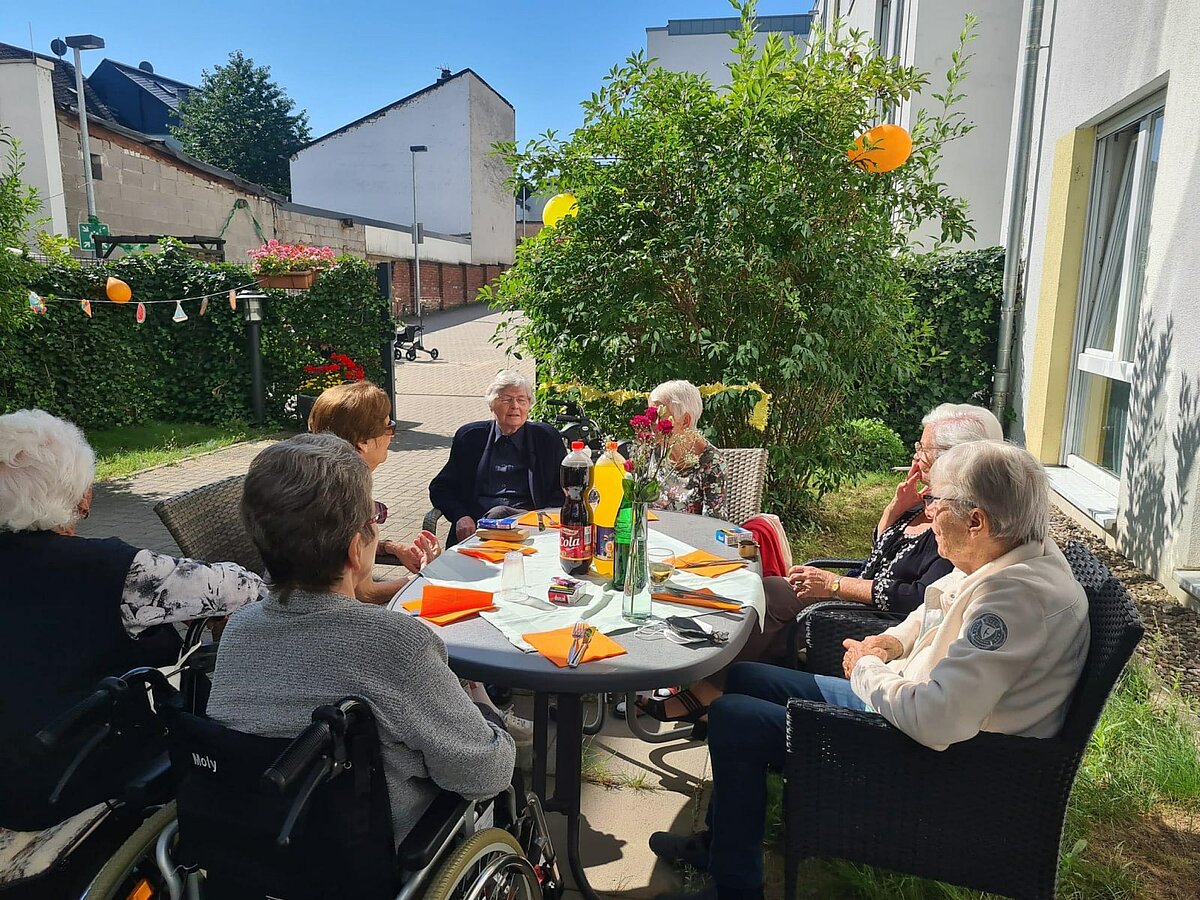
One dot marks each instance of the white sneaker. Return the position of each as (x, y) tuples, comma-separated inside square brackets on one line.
[(520, 729)]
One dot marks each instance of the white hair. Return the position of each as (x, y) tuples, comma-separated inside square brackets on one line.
[(507, 378), (46, 468), (680, 398), (957, 423), (1005, 481)]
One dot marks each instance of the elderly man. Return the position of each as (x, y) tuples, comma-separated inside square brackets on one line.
[(997, 645), (499, 465)]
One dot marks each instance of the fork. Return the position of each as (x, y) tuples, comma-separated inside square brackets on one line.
[(541, 517), (578, 632), (588, 633)]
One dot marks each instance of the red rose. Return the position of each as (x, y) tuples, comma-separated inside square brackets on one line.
[(629, 465), (665, 426), (652, 413), (640, 422)]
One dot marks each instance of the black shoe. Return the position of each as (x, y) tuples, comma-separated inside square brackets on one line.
[(691, 849), (499, 694)]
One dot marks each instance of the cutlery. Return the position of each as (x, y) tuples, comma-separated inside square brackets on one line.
[(541, 520), (677, 591), (578, 630), (588, 631), (710, 563)]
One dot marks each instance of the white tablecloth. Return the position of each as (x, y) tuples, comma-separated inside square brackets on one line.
[(601, 607)]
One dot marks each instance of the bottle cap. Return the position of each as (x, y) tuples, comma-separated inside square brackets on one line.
[(610, 445), (577, 445)]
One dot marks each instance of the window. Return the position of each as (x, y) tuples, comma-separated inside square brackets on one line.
[(97, 168), (1114, 263)]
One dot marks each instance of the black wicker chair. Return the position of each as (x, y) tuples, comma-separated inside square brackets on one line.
[(206, 523), (985, 813)]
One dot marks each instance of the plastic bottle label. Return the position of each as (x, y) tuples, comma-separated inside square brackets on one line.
[(575, 542), (593, 497), (605, 538)]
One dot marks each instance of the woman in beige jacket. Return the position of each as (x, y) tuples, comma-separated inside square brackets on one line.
[(998, 645)]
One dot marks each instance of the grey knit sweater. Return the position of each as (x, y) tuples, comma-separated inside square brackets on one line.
[(278, 662)]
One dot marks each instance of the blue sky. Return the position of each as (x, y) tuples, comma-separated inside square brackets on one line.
[(343, 60)]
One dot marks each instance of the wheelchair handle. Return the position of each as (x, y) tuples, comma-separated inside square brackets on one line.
[(103, 698), (314, 742)]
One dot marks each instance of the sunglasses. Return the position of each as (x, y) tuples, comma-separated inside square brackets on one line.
[(390, 428), (381, 514)]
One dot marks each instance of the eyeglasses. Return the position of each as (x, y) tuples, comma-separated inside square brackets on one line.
[(929, 500), (390, 428), (920, 449), (514, 399), (381, 513)]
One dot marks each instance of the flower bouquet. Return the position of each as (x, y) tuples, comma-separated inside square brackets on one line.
[(280, 265), (340, 369)]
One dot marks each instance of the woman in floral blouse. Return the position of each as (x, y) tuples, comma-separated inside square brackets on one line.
[(700, 483)]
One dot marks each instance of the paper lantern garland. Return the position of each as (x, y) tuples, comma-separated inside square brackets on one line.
[(141, 313), (179, 315), (86, 306), (37, 304), (118, 292)]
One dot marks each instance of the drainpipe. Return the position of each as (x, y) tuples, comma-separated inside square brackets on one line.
[(1019, 170)]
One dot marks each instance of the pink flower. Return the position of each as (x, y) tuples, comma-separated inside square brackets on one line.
[(652, 413), (629, 465), (641, 422), (665, 426)]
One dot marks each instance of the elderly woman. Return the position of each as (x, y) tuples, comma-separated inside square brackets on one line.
[(501, 464), (307, 506), (76, 610), (998, 645), (903, 562), (360, 414), (699, 484)]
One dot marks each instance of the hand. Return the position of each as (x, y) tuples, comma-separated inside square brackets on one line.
[(464, 527), (418, 554), (811, 583), (907, 494), (856, 650)]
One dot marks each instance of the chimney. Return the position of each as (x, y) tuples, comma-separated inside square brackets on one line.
[(445, 76)]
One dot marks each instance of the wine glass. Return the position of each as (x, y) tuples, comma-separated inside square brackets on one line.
[(662, 564)]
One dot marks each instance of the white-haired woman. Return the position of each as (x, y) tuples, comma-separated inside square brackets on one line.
[(500, 464), (998, 646), (699, 484), (75, 610)]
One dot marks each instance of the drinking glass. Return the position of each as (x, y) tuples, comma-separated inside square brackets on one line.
[(662, 565), (512, 577)]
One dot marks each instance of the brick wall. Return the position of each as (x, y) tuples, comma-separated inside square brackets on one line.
[(443, 285)]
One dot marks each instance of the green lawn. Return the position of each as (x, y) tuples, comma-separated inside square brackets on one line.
[(131, 448)]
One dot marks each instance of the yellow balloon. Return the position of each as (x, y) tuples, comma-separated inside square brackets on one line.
[(558, 206), (117, 290), (890, 148)]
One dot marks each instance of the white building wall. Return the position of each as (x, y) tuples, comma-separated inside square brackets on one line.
[(704, 54), (393, 244), (367, 170), (27, 113), (1103, 58), (492, 120)]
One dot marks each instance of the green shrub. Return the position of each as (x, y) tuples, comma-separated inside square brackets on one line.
[(107, 370), (867, 445), (959, 295)]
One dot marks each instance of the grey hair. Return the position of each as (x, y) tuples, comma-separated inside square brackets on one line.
[(957, 423), (680, 398), (46, 468), (304, 500), (507, 378), (1005, 481)]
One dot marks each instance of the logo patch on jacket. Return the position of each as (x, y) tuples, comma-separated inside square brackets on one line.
[(988, 632)]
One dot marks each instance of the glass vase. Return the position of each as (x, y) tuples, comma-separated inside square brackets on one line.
[(635, 605)]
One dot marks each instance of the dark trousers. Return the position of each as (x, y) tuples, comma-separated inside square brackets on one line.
[(746, 737)]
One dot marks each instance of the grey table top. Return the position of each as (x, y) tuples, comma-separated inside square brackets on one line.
[(478, 651)]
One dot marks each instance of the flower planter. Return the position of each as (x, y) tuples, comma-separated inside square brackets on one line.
[(299, 281), (304, 405)]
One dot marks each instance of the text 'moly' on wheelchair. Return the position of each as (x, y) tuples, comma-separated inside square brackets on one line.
[(300, 819)]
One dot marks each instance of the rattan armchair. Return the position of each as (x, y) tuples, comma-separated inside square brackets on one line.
[(986, 813), (746, 469), (206, 523)]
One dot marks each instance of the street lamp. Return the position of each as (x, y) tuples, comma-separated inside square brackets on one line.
[(253, 311), (416, 231), (79, 42)]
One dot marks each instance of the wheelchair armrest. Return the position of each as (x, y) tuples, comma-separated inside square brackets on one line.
[(835, 563), (434, 828), (429, 523), (151, 785), (822, 633)]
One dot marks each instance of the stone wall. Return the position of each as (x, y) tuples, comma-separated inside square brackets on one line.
[(443, 285)]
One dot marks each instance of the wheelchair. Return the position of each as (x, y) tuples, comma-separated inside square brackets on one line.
[(309, 819)]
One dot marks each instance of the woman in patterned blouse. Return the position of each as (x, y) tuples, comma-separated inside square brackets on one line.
[(699, 484)]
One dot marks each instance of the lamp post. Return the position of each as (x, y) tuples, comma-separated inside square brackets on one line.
[(79, 42), (416, 232), (253, 311)]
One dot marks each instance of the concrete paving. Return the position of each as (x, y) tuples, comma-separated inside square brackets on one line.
[(632, 788)]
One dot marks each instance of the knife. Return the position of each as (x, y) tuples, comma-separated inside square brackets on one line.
[(583, 645), (710, 563)]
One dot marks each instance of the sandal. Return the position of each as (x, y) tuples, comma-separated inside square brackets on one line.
[(657, 709)]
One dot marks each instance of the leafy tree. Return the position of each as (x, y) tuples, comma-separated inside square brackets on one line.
[(724, 236), (19, 204), (242, 121)]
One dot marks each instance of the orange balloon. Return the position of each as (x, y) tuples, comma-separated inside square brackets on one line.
[(882, 149), (117, 290)]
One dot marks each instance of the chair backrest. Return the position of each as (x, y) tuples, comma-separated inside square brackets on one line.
[(230, 817), (1116, 630), (747, 473), (206, 523)]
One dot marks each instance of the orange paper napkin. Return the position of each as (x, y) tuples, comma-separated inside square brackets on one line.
[(555, 645), (698, 601), (697, 556), (550, 519), (503, 547), (442, 605)]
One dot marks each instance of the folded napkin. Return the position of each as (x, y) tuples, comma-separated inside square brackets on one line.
[(697, 601), (551, 520), (502, 547), (697, 556), (442, 605), (555, 645)]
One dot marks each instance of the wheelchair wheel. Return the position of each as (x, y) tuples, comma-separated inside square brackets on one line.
[(411, 354), (133, 862), (463, 867), (433, 354)]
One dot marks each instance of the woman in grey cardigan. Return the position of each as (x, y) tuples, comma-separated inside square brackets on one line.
[(308, 509)]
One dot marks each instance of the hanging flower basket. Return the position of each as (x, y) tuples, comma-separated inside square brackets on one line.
[(299, 281)]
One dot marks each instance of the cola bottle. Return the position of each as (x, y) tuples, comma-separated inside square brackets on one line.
[(576, 535)]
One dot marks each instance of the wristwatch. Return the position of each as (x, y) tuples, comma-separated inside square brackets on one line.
[(835, 587)]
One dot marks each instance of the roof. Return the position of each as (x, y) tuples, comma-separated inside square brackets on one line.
[(401, 102), (168, 90), (799, 23), (63, 79)]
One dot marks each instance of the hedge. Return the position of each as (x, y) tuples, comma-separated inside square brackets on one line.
[(959, 295), (108, 370)]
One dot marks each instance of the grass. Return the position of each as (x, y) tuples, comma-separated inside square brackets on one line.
[(131, 448), (1133, 823), (595, 770)]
